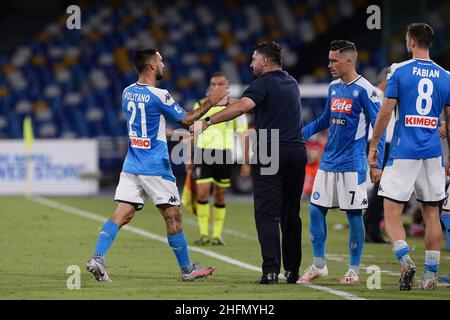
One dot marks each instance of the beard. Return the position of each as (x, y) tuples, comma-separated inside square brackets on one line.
[(159, 75), (255, 74)]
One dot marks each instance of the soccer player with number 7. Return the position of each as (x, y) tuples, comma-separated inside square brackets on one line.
[(418, 89), (146, 172), (352, 105)]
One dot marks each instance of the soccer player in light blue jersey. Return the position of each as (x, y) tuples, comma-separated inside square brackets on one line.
[(352, 105), (420, 89), (146, 172)]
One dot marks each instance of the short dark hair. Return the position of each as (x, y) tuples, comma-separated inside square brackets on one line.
[(422, 33), (142, 56), (342, 45), (271, 50), (218, 74)]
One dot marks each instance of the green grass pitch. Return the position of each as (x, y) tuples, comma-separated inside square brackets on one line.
[(38, 243)]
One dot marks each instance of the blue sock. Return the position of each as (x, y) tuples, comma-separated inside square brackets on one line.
[(106, 237), (318, 232), (178, 244), (356, 239), (401, 250), (445, 218), (431, 265)]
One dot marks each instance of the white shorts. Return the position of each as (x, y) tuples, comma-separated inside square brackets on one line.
[(137, 189), (426, 177), (344, 190)]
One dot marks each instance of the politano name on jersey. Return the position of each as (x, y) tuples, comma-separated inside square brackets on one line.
[(422, 89), (146, 109)]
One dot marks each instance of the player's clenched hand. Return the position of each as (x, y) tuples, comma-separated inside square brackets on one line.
[(372, 158), (217, 94), (375, 174)]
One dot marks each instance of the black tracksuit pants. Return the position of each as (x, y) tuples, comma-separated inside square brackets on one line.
[(277, 203)]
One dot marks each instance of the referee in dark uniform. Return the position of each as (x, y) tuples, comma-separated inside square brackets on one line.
[(274, 97)]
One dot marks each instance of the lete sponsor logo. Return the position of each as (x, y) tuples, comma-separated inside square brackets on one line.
[(341, 105), (421, 122), (140, 143)]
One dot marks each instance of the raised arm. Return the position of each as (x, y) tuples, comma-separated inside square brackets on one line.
[(214, 97), (235, 109), (252, 96)]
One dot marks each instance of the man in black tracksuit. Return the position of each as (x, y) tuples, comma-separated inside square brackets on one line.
[(274, 97)]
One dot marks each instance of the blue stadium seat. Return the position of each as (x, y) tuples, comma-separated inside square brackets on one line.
[(197, 40)]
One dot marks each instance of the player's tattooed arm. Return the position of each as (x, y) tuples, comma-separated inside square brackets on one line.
[(214, 97), (234, 110), (196, 114)]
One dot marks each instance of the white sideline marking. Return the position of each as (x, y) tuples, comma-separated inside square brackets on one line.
[(153, 236), (330, 256)]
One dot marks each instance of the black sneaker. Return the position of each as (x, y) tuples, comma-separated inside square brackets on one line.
[(217, 242), (291, 277), (268, 278), (202, 241)]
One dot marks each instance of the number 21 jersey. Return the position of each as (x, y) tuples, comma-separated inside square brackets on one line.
[(422, 89), (146, 109)]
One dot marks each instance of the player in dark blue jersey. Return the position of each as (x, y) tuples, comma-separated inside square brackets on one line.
[(274, 97), (419, 89), (146, 172)]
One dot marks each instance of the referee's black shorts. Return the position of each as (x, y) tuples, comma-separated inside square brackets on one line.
[(216, 173)]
